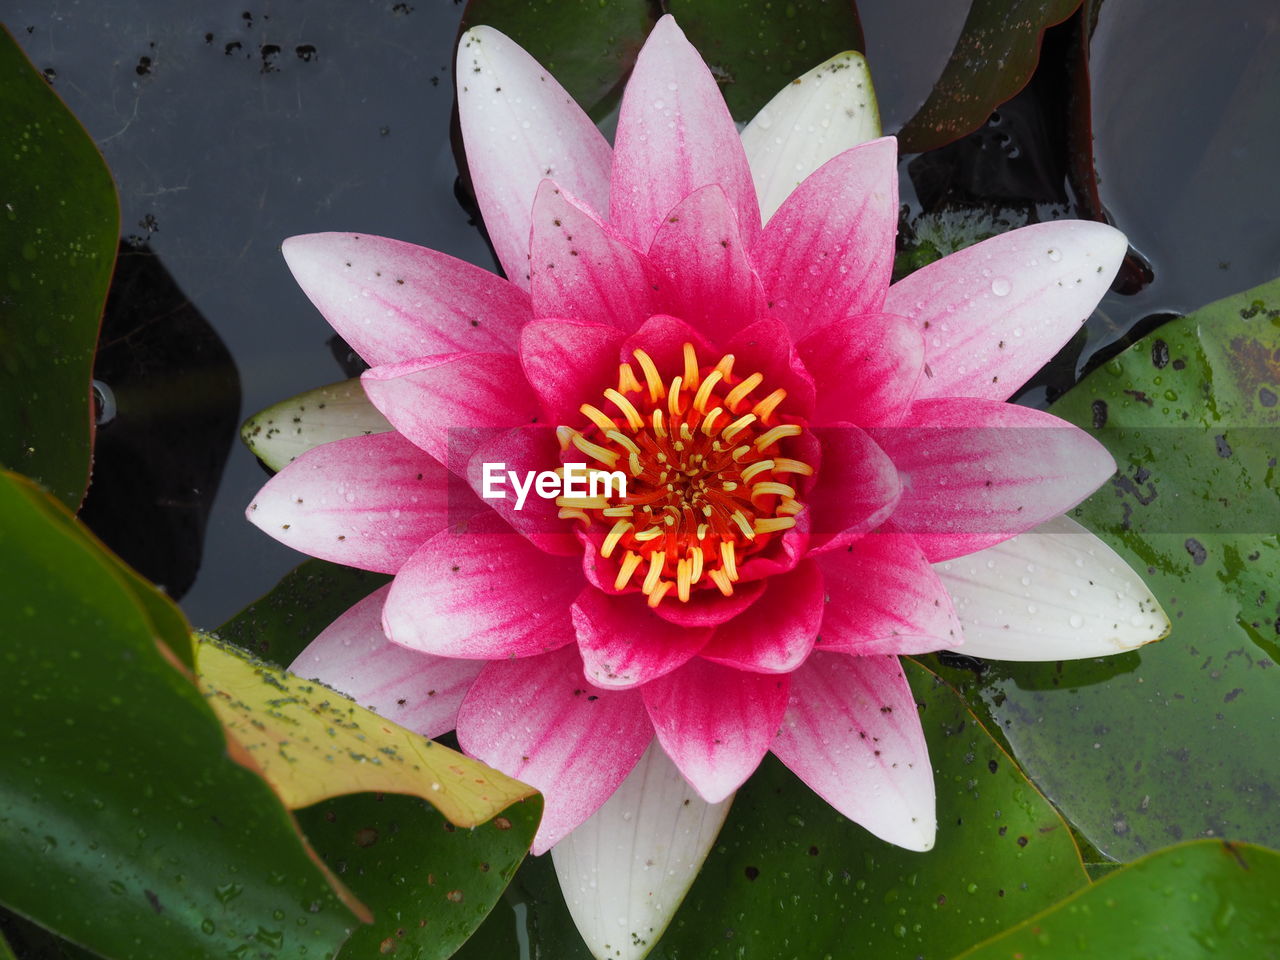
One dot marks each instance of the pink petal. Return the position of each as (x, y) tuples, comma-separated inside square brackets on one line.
[(366, 502), (976, 472), (828, 251), (520, 127), (538, 720), (570, 363), (852, 733), (994, 313), (883, 597), (525, 450), (865, 369), (766, 347), (857, 486), (416, 690), (395, 301), (715, 723), (674, 136), (582, 269), (482, 594), (707, 277), (623, 644), (448, 405), (780, 632), (663, 338)]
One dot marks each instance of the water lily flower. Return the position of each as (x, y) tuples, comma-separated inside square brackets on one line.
[(822, 471)]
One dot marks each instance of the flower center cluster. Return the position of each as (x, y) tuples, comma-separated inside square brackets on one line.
[(707, 482)]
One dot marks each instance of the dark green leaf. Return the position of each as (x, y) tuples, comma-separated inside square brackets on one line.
[(1202, 899), (57, 243), (430, 884), (279, 625), (1175, 740), (790, 879), (588, 45), (755, 49), (124, 825), (994, 58)]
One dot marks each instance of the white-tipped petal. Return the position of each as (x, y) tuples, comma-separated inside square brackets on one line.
[(1054, 593), (626, 869), (283, 432), (816, 116)]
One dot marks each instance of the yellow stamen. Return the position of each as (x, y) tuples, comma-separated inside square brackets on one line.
[(656, 390), (702, 531), (634, 464), (740, 452), (760, 466), (614, 537), (608, 457), (774, 487), (697, 559), (787, 465), (684, 578), (597, 417), (739, 393), (766, 406), (776, 434), (585, 503), (630, 561), (743, 523), (627, 382), (634, 420), (774, 524), (721, 580), (729, 559), (570, 513), (735, 428), (708, 422), (788, 507), (725, 366), (650, 533), (704, 392), (622, 440), (659, 427), (690, 367), (565, 436), (658, 592), (655, 571), (625, 510)]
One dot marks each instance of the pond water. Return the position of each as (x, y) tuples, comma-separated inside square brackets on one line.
[(230, 127)]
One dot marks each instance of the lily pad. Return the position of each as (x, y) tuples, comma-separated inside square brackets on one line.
[(791, 878), (1173, 741), (58, 231), (1205, 898), (755, 49), (312, 743), (993, 59), (139, 835), (588, 45)]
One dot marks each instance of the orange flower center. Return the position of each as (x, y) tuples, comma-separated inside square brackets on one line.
[(707, 484)]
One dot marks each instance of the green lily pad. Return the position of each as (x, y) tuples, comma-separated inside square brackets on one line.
[(791, 878), (755, 49), (59, 228), (431, 885), (137, 835), (994, 58), (1173, 741), (1196, 900), (588, 45)]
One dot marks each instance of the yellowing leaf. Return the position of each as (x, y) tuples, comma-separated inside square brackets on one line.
[(312, 743)]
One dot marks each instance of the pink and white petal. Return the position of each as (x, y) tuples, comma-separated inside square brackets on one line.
[(866, 369), (883, 597), (828, 251), (976, 472), (702, 263), (482, 594), (582, 269), (857, 489), (675, 135), (366, 502), (285, 431), (394, 301), (526, 451), (447, 405), (852, 733), (778, 636), (766, 347), (995, 313), (1056, 592), (715, 722), (625, 871), (708, 607), (520, 127), (538, 720), (569, 362), (418, 691), (812, 119), (663, 338), (623, 644)]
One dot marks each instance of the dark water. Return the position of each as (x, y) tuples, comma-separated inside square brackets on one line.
[(230, 127)]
